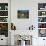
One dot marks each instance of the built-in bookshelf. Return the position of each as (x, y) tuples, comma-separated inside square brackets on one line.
[(42, 19), (4, 19)]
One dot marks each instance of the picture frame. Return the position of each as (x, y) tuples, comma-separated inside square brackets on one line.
[(23, 14)]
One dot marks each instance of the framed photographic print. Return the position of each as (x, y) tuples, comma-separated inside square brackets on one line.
[(23, 14)]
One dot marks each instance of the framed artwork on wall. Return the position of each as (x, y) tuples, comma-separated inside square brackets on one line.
[(23, 14)]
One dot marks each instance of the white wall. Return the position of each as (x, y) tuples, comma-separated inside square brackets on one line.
[(32, 6), (23, 24)]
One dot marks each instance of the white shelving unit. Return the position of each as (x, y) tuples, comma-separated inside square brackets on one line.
[(3, 16), (3, 12), (41, 22), (41, 28), (41, 10), (42, 18), (3, 24)]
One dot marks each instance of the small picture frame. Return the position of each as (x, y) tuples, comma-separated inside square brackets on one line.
[(23, 14)]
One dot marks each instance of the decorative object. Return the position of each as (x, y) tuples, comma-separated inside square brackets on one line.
[(23, 40), (42, 32), (13, 27), (42, 25), (3, 19), (0, 7), (41, 19), (4, 26), (3, 13), (31, 27), (23, 14), (27, 38), (4, 29), (6, 7), (41, 13), (41, 6), (3, 6)]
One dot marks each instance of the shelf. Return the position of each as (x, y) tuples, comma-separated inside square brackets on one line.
[(41, 22), (3, 10), (41, 10), (41, 28), (3, 16), (3, 22), (42, 16)]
